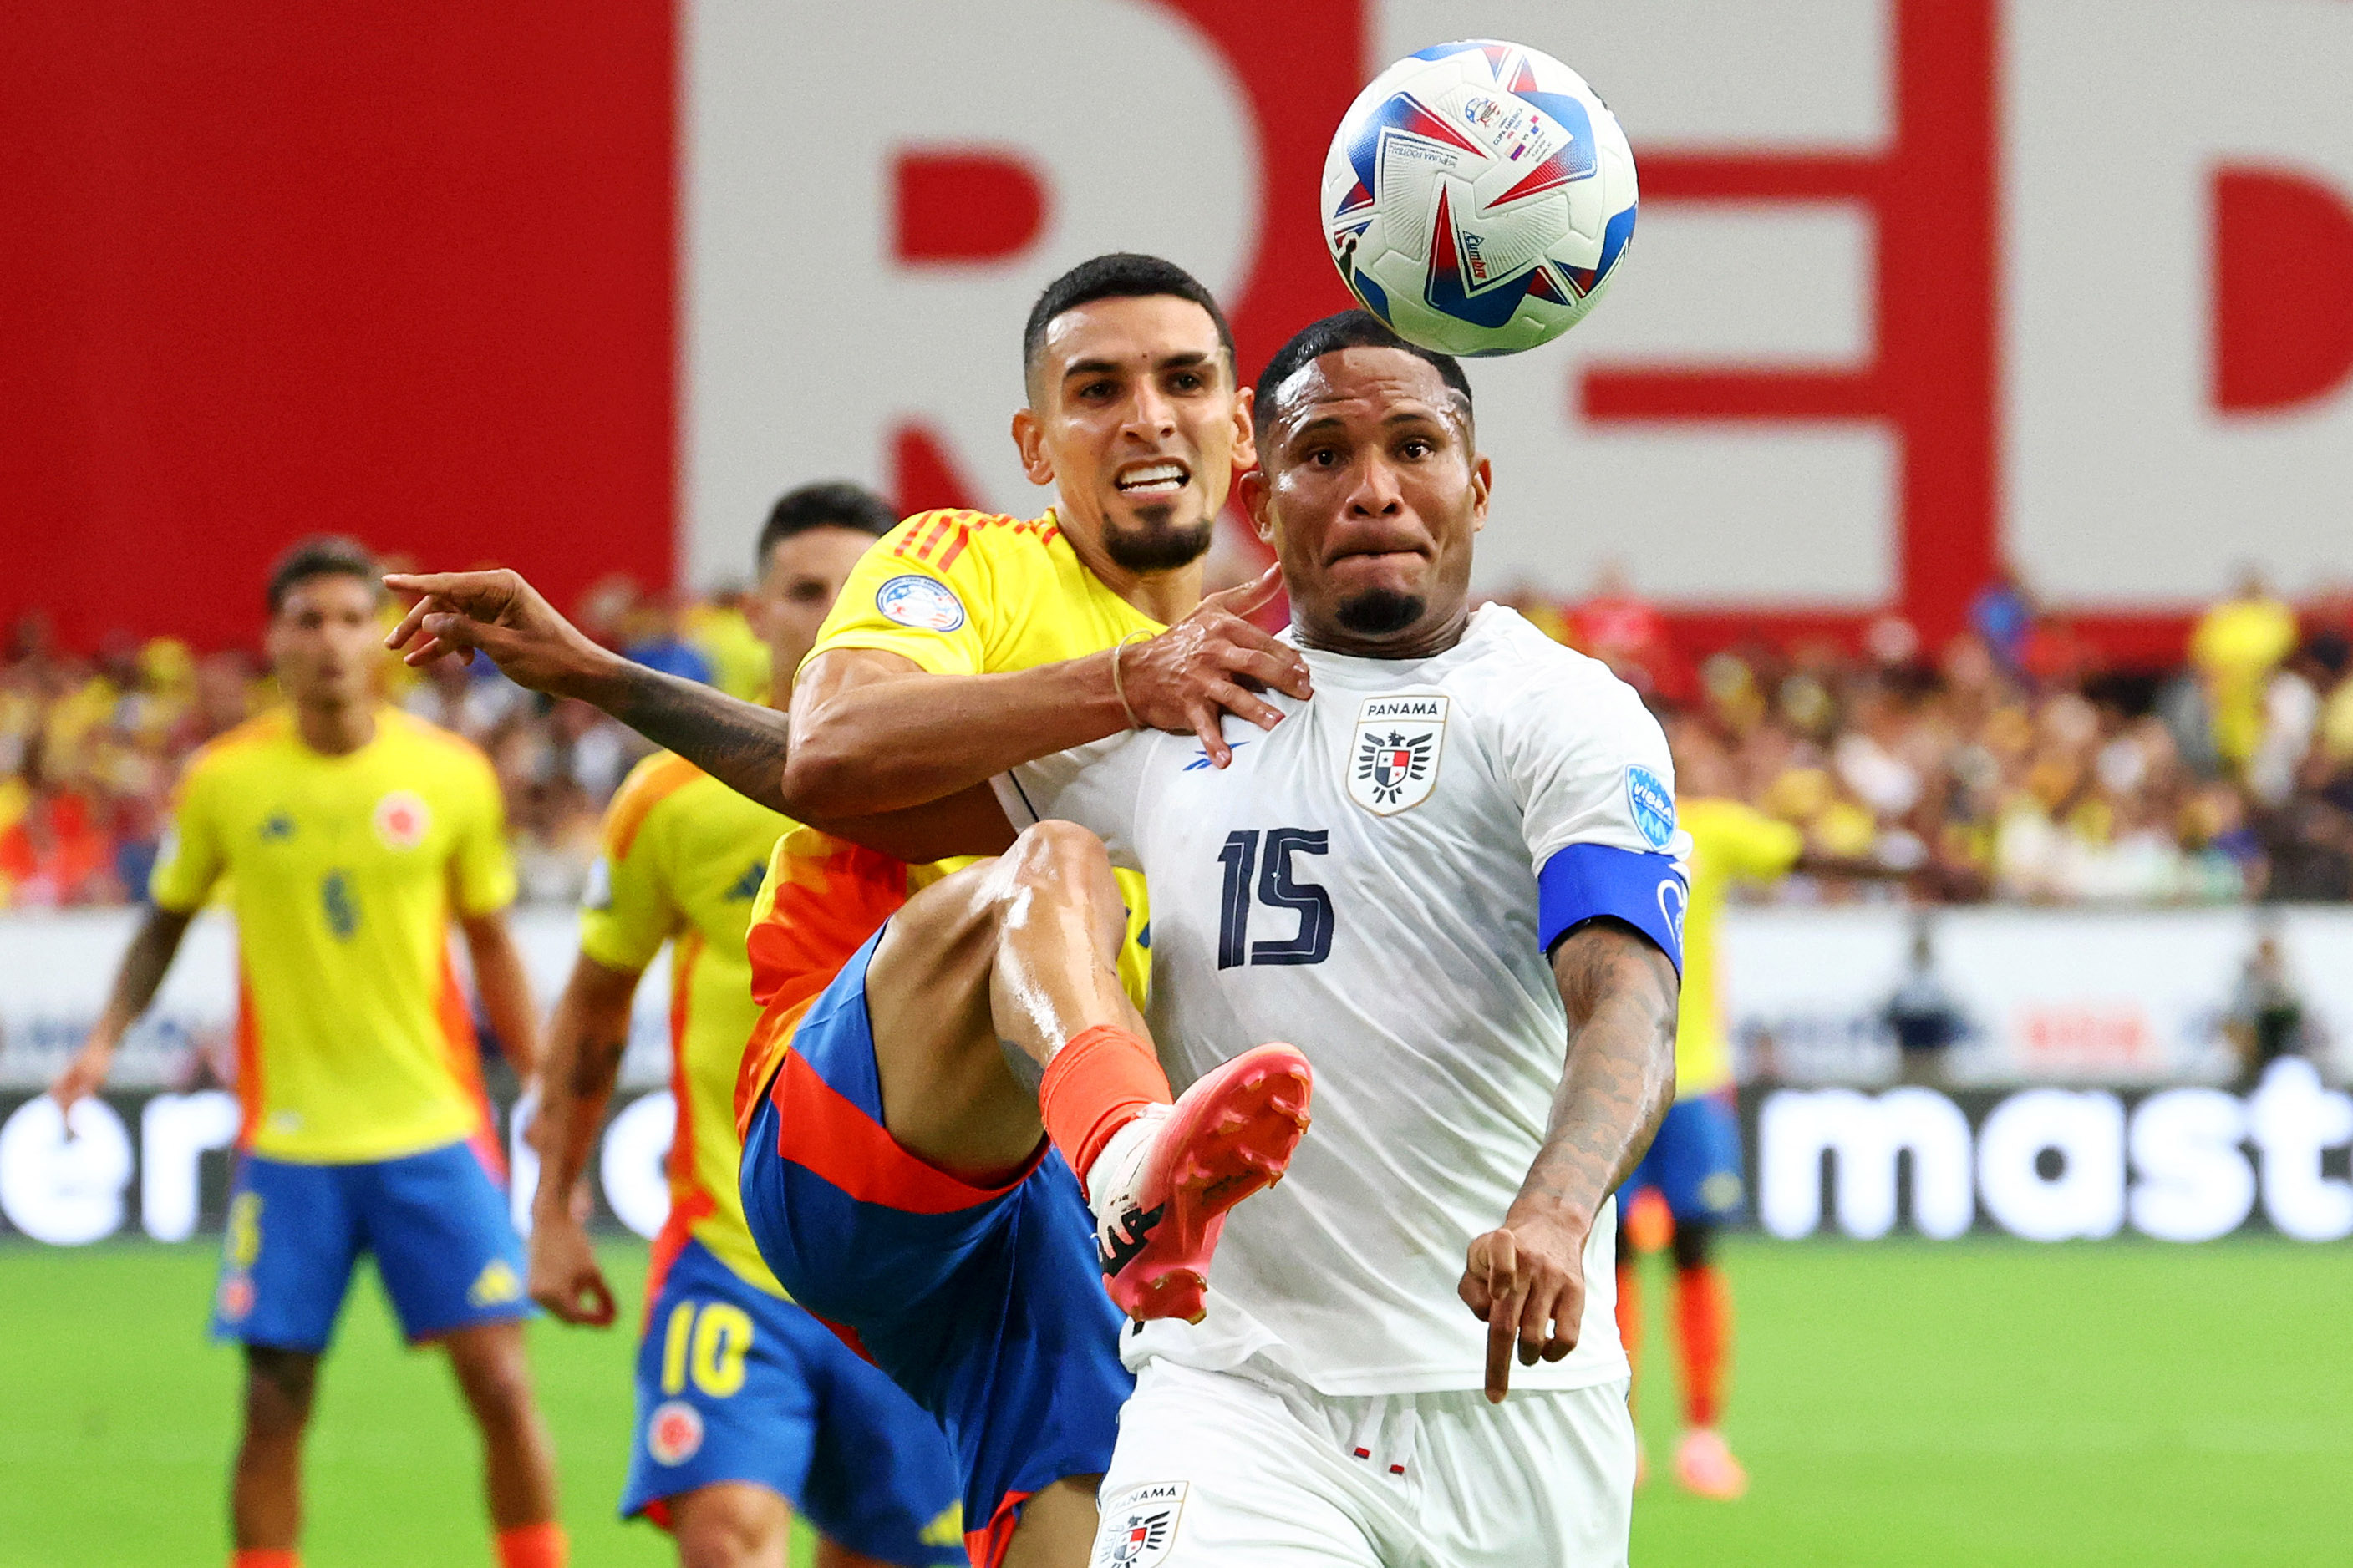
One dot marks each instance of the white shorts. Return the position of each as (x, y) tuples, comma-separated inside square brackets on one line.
[(1245, 1468)]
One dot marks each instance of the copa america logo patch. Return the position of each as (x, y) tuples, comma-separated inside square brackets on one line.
[(920, 604), (1393, 762), (1139, 1525), (1652, 805), (402, 820), (674, 1432)]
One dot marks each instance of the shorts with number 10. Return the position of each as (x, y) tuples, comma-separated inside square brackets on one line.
[(735, 1384)]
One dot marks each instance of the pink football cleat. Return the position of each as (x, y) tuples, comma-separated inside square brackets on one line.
[(1706, 1468), (1162, 1186)]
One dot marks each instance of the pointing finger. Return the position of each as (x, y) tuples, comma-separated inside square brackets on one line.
[(1505, 1293), (1503, 1322)]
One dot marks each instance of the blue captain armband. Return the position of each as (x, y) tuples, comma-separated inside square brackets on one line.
[(1586, 881)]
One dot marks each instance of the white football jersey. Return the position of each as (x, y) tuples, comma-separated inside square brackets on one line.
[(1365, 883)]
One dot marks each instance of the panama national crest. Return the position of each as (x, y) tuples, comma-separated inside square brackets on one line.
[(1139, 1525), (1393, 766)]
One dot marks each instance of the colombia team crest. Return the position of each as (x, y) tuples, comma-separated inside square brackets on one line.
[(674, 1432), (1139, 1525), (1393, 764), (402, 820)]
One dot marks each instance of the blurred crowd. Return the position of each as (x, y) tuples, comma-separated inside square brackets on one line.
[(2010, 762), (2013, 762)]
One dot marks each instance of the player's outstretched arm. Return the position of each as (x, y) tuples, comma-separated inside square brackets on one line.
[(585, 1042), (873, 731), (135, 984), (1526, 1279), (499, 615)]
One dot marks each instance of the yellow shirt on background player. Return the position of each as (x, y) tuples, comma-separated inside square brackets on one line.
[(355, 1042), (684, 858), (975, 593), (1729, 842)]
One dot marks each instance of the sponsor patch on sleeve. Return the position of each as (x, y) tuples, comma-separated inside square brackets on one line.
[(1652, 805), (920, 604)]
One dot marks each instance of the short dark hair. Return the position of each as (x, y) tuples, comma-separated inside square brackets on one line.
[(323, 555), (1122, 274), (828, 503), (1348, 329)]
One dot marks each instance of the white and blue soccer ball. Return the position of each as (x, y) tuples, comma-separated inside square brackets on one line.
[(1479, 197)]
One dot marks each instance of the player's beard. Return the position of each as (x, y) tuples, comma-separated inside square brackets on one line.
[(1158, 545), (1377, 612)]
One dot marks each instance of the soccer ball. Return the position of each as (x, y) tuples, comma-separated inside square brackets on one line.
[(1478, 197)]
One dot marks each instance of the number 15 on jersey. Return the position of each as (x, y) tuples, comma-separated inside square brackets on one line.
[(1259, 871)]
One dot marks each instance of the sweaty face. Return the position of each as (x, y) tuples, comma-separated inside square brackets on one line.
[(1370, 493), (804, 577), (324, 640), (1135, 416)]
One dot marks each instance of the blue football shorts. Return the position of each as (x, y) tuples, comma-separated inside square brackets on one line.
[(435, 1223), (736, 1384), (1695, 1161), (985, 1304)]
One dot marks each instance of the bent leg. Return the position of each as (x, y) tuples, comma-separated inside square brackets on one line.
[(518, 1458), (979, 980), (266, 1488)]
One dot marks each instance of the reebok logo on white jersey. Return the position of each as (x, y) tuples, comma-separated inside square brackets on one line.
[(1393, 763)]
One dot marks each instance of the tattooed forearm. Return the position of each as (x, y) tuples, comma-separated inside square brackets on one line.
[(1620, 993), (740, 745)]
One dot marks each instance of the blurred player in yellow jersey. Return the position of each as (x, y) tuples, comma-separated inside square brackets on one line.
[(351, 836), (748, 1407), (1695, 1161)]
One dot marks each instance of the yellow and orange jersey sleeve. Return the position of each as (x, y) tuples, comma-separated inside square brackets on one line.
[(924, 592), (629, 910), (481, 866), (192, 856)]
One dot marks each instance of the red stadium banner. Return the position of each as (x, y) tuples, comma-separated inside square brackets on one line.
[(1921, 287)]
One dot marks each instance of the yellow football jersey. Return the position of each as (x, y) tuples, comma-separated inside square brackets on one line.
[(1729, 842), (354, 1041), (684, 858), (972, 593)]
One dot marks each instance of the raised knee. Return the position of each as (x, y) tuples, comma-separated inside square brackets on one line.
[(1054, 851)]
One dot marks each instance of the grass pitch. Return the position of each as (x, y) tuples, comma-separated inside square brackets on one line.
[(1977, 1402)]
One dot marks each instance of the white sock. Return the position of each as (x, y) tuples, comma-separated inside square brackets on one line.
[(1122, 1154)]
